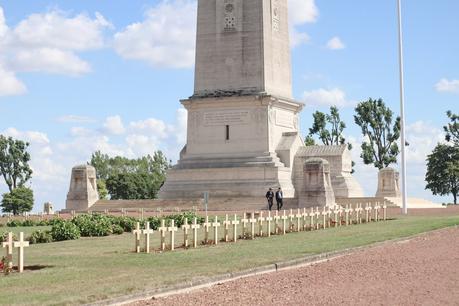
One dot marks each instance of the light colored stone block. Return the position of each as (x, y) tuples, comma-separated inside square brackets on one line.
[(83, 188), (317, 189), (388, 183)]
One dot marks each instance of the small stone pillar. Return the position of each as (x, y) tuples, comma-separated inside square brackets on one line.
[(318, 190), (388, 183), (48, 208), (83, 188)]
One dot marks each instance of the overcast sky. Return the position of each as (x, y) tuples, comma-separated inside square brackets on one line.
[(80, 76)]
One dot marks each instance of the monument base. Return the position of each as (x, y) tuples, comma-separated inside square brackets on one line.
[(227, 177)]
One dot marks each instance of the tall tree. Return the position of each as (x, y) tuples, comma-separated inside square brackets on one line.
[(442, 175), (381, 132), (452, 129), (18, 201), (14, 162)]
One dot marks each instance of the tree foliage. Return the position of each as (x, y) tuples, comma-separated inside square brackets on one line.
[(442, 175), (18, 201), (452, 129), (328, 128), (14, 162), (381, 132), (125, 178)]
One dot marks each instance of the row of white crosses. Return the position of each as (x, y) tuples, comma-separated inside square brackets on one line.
[(252, 226), (9, 244)]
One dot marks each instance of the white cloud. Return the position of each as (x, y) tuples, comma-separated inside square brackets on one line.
[(75, 119), (325, 97), (29, 136), (303, 11), (47, 42), (10, 85), (165, 38), (445, 85), (51, 61), (114, 125), (335, 44), (56, 30)]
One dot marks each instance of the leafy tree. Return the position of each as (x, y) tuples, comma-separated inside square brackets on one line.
[(381, 131), (329, 136), (309, 141), (452, 129), (102, 189), (442, 175), (133, 186), (14, 162), (126, 178), (18, 201)]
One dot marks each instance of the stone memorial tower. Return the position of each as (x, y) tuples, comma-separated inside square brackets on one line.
[(242, 120), (83, 188)]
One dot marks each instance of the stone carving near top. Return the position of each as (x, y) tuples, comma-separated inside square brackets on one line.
[(48, 208), (83, 188), (388, 183), (317, 188), (340, 161)]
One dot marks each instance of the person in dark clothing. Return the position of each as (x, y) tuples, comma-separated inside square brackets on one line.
[(279, 198), (270, 197)]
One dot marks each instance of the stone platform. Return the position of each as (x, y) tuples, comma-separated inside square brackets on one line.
[(215, 204)]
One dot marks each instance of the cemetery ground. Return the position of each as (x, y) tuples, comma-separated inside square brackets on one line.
[(94, 269)]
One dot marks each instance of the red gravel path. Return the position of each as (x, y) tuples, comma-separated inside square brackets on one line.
[(422, 271)]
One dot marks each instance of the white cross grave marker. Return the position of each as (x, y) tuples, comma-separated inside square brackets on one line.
[(137, 232), (244, 222), (172, 229), (147, 232), (216, 225), (269, 219), (235, 223), (185, 227), (8, 244), (284, 222), (162, 230), (261, 219), (298, 217), (21, 244), (194, 227), (226, 225), (252, 222), (324, 217), (207, 226), (276, 219)]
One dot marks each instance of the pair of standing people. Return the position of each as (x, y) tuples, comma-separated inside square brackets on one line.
[(279, 198)]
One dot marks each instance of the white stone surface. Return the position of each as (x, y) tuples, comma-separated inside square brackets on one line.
[(339, 158), (388, 183), (83, 188), (242, 47)]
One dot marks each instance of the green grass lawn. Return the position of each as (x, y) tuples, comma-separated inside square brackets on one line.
[(92, 269)]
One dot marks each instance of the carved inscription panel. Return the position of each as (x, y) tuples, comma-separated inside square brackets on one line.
[(218, 118)]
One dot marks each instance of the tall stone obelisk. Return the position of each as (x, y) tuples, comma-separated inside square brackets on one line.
[(242, 121)]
